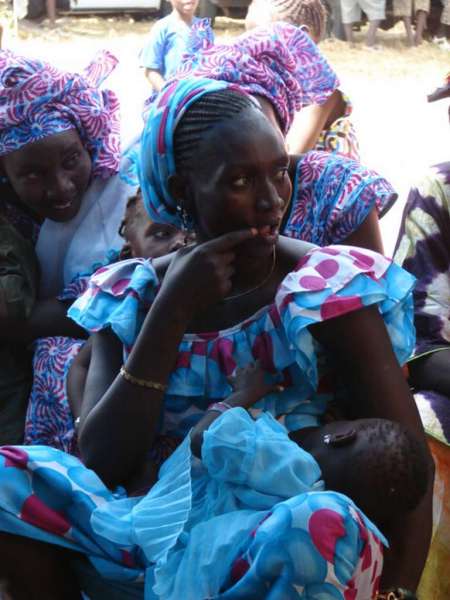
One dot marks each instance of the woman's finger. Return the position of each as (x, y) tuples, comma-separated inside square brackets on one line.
[(228, 241)]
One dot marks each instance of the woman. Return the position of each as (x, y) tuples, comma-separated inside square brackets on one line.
[(60, 154), (210, 153), (423, 249), (334, 199)]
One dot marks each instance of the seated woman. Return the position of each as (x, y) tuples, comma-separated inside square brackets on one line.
[(325, 126), (334, 199), (60, 363), (60, 155), (311, 316), (423, 248)]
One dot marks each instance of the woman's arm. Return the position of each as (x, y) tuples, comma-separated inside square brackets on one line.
[(363, 352), (48, 318), (309, 123), (368, 234), (117, 427)]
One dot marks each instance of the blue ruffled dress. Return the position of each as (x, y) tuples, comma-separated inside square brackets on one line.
[(251, 519)]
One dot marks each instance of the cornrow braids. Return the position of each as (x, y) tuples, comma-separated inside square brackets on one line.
[(311, 13), (209, 110)]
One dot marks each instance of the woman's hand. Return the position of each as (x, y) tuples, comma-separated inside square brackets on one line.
[(201, 275)]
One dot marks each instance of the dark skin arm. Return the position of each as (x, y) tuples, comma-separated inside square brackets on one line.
[(118, 425), (76, 378), (372, 373), (48, 318)]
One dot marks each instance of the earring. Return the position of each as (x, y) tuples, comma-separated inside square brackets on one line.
[(187, 222)]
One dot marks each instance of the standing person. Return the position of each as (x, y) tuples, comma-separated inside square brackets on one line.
[(168, 41), (404, 9), (326, 126), (168, 335), (351, 13)]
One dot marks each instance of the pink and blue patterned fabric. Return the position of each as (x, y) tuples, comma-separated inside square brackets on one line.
[(332, 195), (338, 279), (279, 62), (252, 517), (37, 100), (157, 160), (49, 419)]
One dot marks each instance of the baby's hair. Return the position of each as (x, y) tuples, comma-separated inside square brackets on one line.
[(130, 212), (211, 109), (393, 477), (311, 13)]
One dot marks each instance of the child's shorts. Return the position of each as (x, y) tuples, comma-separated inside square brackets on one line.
[(351, 10), (402, 8), (422, 5)]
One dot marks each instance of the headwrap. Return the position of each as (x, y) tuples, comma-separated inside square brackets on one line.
[(37, 100), (157, 160), (278, 61)]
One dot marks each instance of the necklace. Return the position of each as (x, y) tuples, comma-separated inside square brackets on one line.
[(253, 289)]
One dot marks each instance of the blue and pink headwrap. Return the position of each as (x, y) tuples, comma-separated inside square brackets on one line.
[(37, 100), (278, 61), (157, 160)]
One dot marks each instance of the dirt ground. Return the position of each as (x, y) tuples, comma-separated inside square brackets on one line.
[(400, 134)]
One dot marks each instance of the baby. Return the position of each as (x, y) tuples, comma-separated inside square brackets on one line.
[(391, 483)]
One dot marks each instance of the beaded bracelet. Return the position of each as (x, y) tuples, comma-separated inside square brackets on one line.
[(220, 406), (153, 385)]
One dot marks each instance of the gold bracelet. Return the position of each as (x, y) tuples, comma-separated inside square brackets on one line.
[(153, 385)]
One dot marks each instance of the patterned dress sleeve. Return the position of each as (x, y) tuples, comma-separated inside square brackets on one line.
[(118, 297), (334, 281), (423, 248), (332, 196)]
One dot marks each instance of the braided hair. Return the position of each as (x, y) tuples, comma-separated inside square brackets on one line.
[(311, 13), (209, 110)]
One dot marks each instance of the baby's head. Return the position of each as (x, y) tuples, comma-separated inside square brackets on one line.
[(379, 464), (143, 237), (310, 14)]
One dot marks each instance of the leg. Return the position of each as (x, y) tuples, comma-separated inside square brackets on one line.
[(24, 562), (372, 32), (431, 372), (51, 11), (349, 33), (408, 31), (421, 23)]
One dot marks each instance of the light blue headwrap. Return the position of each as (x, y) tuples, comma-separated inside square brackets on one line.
[(157, 160)]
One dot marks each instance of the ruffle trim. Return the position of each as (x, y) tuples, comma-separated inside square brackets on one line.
[(327, 282)]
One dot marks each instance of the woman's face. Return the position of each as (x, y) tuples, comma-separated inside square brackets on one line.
[(240, 180), (50, 176)]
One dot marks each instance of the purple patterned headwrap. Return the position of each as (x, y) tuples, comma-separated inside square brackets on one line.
[(37, 100), (278, 61)]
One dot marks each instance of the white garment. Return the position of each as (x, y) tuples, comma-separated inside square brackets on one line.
[(67, 249)]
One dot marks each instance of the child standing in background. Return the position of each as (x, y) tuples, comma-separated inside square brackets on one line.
[(168, 41)]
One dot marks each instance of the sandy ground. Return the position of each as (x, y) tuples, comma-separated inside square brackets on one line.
[(400, 134)]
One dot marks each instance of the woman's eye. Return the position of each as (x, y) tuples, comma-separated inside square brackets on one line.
[(241, 182), (31, 176), (71, 161), (161, 234), (281, 174)]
